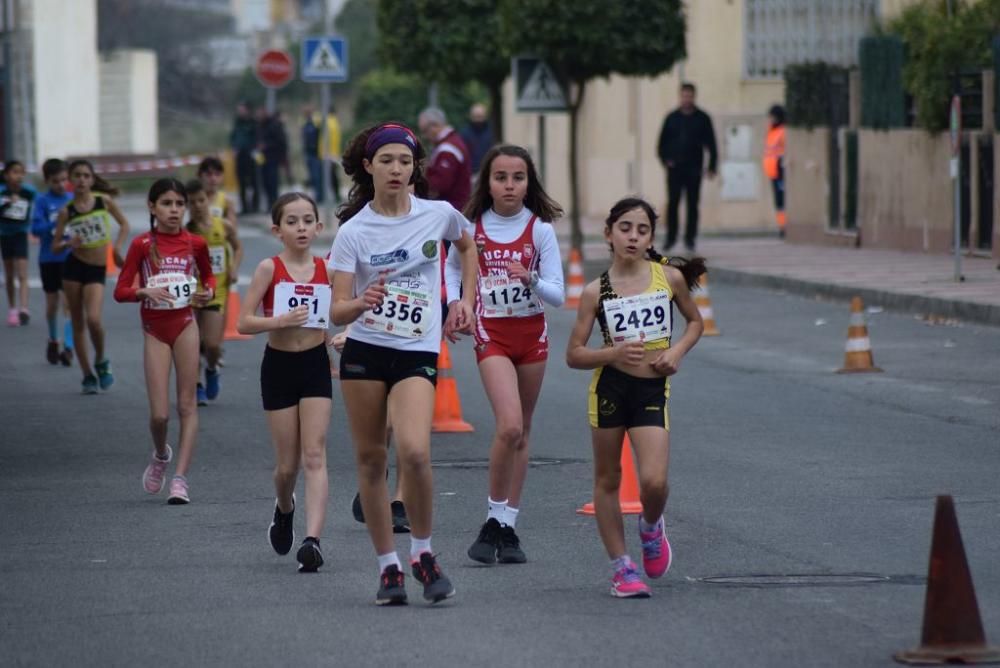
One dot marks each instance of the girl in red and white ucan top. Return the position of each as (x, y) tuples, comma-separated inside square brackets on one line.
[(162, 270), (519, 271)]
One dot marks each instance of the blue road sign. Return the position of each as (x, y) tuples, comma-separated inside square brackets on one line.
[(324, 59)]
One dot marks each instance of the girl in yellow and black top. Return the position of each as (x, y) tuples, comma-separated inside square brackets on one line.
[(633, 303), (87, 221), (225, 253)]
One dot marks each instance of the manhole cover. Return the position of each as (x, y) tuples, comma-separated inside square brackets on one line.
[(799, 580)]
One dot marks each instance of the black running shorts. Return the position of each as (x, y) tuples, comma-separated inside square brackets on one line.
[(365, 361), (287, 377), (617, 399)]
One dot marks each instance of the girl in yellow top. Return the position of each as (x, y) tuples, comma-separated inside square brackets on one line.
[(633, 303), (225, 253)]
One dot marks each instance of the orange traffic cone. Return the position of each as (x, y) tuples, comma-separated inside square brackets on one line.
[(111, 268), (447, 407), (952, 630), (574, 288), (628, 491), (858, 357), (704, 303), (232, 315)]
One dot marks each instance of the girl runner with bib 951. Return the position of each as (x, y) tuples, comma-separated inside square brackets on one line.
[(294, 289), (633, 304), (519, 270), (162, 270), (387, 281), (87, 219)]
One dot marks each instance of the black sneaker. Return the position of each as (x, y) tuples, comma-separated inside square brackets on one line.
[(510, 551), (52, 352), (400, 523), (309, 556), (359, 514), (484, 550), (66, 357), (281, 533), (391, 589), (437, 587)]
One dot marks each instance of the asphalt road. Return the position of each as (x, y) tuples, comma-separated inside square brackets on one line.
[(779, 467)]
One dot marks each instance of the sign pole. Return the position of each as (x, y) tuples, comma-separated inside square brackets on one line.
[(324, 130), (956, 175), (541, 148), (272, 100)]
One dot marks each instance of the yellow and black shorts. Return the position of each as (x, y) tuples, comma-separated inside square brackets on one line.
[(617, 399)]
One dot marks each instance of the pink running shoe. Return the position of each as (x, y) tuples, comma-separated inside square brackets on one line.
[(626, 583), (656, 552), (13, 318), (152, 477), (178, 491)]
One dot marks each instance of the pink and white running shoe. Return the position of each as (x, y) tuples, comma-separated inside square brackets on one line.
[(627, 583), (153, 476), (656, 552), (178, 491)]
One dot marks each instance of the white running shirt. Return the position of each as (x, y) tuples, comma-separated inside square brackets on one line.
[(407, 249)]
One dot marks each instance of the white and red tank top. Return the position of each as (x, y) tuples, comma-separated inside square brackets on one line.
[(281, 275), (498, 296)]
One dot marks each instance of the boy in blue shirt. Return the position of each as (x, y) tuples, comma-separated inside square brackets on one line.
[(50, 265)]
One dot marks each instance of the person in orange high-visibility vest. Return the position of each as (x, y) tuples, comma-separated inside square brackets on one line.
[(774, 162)]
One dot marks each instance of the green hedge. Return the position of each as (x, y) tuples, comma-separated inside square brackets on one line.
[(815, 94), (883, 100)]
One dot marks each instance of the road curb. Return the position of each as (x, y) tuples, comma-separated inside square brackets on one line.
[(985, 314)]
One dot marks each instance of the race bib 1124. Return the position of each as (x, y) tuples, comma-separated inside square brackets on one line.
[(502, 297)]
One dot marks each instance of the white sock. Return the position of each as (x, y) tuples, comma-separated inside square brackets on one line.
[(418, 546), (621, 562), (496, 509), (510, 516), (386, 560), (646, 527)]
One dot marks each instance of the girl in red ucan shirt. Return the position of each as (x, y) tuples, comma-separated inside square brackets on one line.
[(161, 271)]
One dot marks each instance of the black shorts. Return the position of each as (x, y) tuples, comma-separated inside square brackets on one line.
[(77, 270), (287, 377), (14, 246), (217, 308), (364, 361), (52, 273), (617, 399)]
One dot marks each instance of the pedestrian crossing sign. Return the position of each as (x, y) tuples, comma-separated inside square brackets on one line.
[(537, 85), (324, 59)]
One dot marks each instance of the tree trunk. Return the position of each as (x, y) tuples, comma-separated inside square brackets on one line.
[(496, 111), (576, 231)]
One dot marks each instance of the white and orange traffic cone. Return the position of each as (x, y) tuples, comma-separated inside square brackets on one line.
[(703, 301), (111, 267), (628, 490), (858, 351), (232, 316), (447, 407), (575, 282)]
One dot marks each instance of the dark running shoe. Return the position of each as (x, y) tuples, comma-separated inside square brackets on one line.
[(484, 550), (52, 352), (359, 514), (391, 588), (400, 523), (510, 551), (309, 556), (200, 397), (437, 587), (66, 357), (281, 533)]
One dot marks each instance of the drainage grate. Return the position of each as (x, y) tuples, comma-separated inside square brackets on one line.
[(810, 580), (534, 462)]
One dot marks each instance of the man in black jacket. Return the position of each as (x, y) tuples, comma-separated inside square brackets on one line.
[(687, 132), (243, 141)]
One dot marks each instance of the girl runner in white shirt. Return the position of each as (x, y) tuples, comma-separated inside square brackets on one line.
[(387, 281), (519, 270)]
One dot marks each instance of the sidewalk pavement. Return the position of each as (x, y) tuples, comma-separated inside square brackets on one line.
[(910, 282)]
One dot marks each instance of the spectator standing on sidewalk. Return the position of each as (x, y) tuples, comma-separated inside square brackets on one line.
[(311, 153), (243, 141), (686, 134), (477, 135), (333, 151), (448, 171), (774, 162), (272, 142)]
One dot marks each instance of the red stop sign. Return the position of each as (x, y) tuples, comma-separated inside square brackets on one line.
[(274, 68)]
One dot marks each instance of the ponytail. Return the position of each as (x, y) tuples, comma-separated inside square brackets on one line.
[(154, 254), (691, 268)]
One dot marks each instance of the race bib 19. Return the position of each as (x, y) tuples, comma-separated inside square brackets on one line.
[(288, 296), (503, 297), (93, 231), (217, 256), (180, 286), (644, 317), (404, 312)]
